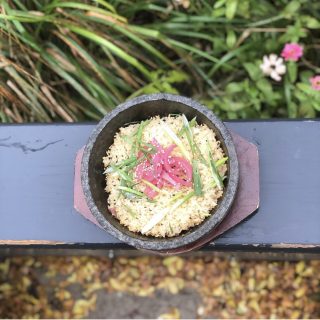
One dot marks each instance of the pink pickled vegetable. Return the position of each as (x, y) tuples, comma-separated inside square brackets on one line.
[(162, 169), (165, 176)]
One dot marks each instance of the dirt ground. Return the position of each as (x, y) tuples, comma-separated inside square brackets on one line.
[(153, 287)]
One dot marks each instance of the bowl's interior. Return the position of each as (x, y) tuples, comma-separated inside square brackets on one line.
[(105, 139)]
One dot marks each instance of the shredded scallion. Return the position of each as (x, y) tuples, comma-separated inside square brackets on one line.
[(215, 174), (161, 214), (121, 173), (197, 185), (142, 125), (132, 191), (188, 133), (221, 161), (131, 212), (151, 185), (176, 140)]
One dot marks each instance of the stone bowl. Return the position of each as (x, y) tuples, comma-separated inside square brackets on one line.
[(93, 179)]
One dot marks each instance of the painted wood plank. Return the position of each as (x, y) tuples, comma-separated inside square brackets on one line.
[(36, 188)]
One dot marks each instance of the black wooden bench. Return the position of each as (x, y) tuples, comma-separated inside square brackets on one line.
[(36, 190)]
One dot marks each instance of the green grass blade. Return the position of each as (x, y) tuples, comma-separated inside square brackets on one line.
[(113, 48), (83, 6), (193, 50)]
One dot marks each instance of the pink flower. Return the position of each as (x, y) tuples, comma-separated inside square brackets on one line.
[(315, 83), (292, 51)]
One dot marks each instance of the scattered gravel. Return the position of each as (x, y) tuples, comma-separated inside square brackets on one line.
[(174, 287)]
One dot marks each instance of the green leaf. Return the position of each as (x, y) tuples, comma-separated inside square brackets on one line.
[(228, 56), (219, 4), (253, 70), (316, 104), (265, 87), (292, 71), (230, 105), (292, 8), (234, 87), (302, 97), (310, 22), (306, 110), (231, 38), (307, 89), (175, 76), (243, 9), (305, 76), (231, 8), (292, 110)]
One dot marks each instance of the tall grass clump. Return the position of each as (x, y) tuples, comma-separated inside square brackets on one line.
[(76, 60)]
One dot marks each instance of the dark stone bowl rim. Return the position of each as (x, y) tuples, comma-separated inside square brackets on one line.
[(200, 231)]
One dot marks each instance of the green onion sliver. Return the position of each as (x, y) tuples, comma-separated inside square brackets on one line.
[(142, 125), (176, 140), (132, 191), (215, 175), (131, 212), (194, 147), (177, 196), (188, 133), (192, 123), (220, 162), (121, 173), (125, 163), (151, 185), (161, 214), (197, 185)]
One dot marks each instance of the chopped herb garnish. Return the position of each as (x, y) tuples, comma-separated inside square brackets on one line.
[(142, 125), (132, 191), (122, 164), (151, 185), (130, 196), (188, 133), (109, 169), (197, 185), (128, 139), (192, 123), (215, 175), (194, 147), (131, 212), (121, 173), (200, 155), (175, 139), (161, 214), (147, 148), (177, 196), (220, 162), (126, 162)]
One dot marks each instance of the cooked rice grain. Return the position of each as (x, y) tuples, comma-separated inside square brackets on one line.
[(192, 212)]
